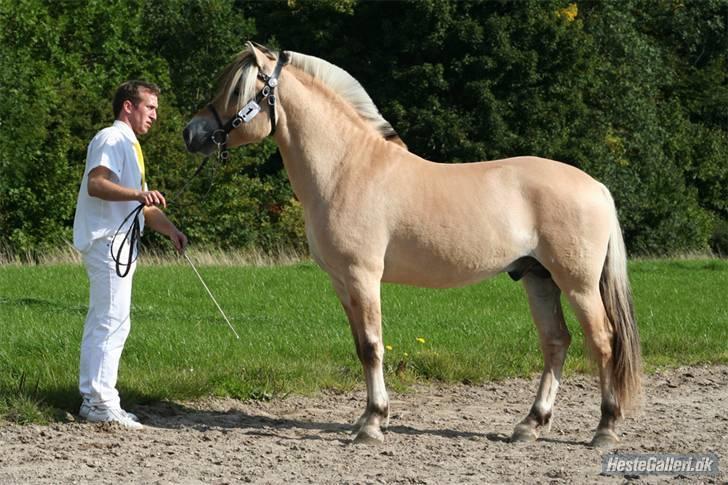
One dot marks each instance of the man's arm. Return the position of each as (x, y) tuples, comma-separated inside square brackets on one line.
[(101, 185), (157, 220)]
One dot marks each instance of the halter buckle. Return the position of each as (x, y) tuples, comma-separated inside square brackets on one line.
[(219, 137)]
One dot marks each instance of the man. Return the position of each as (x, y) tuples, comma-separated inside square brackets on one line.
[(113, 185)]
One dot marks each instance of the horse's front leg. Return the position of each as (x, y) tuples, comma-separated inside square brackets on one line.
[(360, 296), (343, 295)]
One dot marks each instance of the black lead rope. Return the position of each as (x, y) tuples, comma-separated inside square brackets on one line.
[(131, 238), (133, 234)]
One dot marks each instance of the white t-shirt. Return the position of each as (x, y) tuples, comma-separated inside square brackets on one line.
[(113, 148)]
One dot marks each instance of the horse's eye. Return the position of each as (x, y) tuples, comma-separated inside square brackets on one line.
[(236, 92)]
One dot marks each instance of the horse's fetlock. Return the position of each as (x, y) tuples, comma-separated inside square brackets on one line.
[(379, 409), (610, 413), (540, 416)]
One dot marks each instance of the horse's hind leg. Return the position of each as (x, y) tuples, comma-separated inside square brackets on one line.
[(360, 297), (598, 335), (544, 300)]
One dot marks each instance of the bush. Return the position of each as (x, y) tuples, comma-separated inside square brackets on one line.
[(719, 239), (632, 92)]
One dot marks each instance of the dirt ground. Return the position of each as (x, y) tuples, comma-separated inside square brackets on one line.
[(438, 434)]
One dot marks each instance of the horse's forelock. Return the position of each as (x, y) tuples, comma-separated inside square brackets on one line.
[(240, 73)]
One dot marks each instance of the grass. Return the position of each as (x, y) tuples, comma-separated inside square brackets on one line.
[(295, 339)]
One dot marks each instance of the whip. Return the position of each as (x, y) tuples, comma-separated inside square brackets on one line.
[(132, 237), (213, 298)]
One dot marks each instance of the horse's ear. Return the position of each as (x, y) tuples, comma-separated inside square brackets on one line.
[(259, 51), (257, 54)]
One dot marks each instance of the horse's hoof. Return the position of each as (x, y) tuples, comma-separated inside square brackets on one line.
[(368, 435), (385, 423), (523, 434), (604, 438)]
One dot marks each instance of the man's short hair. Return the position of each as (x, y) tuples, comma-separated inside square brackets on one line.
[(131, 91)]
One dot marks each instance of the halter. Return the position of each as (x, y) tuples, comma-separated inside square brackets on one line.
[(251, 108)]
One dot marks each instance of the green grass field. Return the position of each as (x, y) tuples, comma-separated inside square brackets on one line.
[(295, 339)]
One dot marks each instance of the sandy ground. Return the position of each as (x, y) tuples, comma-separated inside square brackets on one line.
[(438, 434)]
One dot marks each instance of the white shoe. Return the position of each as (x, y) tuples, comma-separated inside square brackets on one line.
[(86, 407), (131, 416), (111, 415)]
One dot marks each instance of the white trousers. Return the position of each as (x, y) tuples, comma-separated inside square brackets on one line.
[(107, 326)]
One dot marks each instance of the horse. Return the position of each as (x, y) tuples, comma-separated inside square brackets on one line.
[(375, 212)]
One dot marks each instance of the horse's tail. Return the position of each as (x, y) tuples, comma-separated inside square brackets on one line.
[(617, 298)]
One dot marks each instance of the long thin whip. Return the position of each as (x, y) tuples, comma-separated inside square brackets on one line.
[(210, 293)]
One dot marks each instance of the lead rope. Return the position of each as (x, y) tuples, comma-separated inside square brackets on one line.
[(131, 240), (132, 236)]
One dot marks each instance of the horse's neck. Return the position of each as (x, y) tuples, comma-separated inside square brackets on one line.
[(316, 140)]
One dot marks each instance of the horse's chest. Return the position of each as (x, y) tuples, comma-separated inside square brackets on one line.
[(334, 241)]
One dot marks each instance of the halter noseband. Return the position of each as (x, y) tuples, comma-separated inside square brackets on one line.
[(251, 108)]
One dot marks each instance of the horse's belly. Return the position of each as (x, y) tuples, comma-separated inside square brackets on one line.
[(441, 271), (429, 279)]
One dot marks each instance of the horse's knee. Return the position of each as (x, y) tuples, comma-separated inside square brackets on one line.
[(372, 351)]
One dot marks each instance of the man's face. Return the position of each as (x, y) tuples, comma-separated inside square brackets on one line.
[(143, 114)]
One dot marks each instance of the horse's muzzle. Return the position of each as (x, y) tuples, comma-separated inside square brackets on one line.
[(197, 137)]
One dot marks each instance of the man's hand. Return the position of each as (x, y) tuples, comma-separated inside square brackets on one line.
[(179, 240), (155, 219), (152, 197)]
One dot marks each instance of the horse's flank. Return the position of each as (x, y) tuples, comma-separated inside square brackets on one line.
[(457, 224)]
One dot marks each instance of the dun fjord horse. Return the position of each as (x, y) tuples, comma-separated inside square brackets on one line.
[(376, 212)]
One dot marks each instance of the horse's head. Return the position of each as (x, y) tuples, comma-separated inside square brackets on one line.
[(243, 109)]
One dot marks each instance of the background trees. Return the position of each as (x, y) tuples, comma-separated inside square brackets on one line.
[(633, 92)]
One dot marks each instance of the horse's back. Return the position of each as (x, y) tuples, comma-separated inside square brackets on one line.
[(457, 224)]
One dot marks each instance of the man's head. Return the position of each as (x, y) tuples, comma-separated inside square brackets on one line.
[(135, 103)]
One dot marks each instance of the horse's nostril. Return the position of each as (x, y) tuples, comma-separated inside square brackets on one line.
[(186, 135)]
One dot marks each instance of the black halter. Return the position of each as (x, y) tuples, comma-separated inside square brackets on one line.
[(251, 108)]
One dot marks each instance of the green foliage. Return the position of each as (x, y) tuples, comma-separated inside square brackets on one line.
[(633, 92), (719, 239)]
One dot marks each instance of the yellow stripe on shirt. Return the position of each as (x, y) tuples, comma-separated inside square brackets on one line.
[(140, 163)]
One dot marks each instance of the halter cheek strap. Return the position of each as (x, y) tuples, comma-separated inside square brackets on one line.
[(251, 108)]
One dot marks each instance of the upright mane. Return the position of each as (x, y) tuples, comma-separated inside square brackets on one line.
[(244, 69)]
